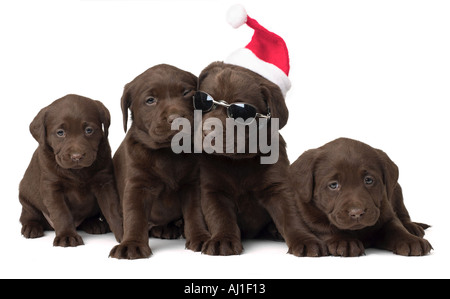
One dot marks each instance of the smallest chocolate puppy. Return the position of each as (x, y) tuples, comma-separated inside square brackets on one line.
[(348, 195), (69, 182)]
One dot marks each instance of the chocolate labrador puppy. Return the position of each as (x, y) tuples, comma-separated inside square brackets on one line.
[(348, 195), (156, 186), (242, 194), (69, 183)]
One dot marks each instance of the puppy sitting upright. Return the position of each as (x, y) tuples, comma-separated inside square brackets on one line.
[(244, 185), (70, 183), (349, 196), (156, 186), (240, 195)]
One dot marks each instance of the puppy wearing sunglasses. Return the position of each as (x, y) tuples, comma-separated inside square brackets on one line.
[(157, 187), (240, 196)]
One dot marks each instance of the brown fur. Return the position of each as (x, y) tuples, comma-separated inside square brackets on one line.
[(157, 187), (240, 196), (70, 181), (348, 194)]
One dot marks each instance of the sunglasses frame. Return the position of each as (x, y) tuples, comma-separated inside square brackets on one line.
[(226, 105)]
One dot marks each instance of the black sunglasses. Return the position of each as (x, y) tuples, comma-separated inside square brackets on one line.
[(205, 102)]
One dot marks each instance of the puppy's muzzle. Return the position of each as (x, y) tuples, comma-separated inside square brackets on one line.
[(75, 159), (172, 117), (356, 213)]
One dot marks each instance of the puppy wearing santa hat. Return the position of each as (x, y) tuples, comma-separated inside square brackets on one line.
[(241, 195)]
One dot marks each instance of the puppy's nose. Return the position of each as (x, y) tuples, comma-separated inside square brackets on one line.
[(172, 117), (76, 157), (356, 213)]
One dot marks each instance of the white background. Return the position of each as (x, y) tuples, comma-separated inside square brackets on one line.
[(377, 71)]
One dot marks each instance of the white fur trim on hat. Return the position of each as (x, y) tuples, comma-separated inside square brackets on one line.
[(237, 15), (247, 59)]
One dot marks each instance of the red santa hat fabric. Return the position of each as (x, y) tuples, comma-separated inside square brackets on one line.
[(266, 54)]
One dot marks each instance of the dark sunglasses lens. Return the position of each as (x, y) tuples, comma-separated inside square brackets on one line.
[(244, 111), (203, 101)]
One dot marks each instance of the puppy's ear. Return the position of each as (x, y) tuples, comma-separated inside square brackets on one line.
[(302, 175), (125, 103), (202, 77), (194, 80), (105, 117), (275, 100), (390, 173), (37, 126), (213, 67)]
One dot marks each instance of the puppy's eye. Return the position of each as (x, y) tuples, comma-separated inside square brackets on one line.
[(150, 101), (334, 185), (60, 133), (88, 131), (368, 180), (186, 92)]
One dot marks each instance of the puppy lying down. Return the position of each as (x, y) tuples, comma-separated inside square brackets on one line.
[(347, 193)]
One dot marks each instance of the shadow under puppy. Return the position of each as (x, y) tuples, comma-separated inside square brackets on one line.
[(348, 195), (240, 195), (69, 182), (156, 186)]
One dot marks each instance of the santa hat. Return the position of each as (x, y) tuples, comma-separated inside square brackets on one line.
[(266, 54)]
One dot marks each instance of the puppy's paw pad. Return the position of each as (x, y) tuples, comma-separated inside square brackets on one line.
[(131, 251), (222, 246)]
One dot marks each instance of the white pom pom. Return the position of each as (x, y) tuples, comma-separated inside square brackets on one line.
[(236, 15)]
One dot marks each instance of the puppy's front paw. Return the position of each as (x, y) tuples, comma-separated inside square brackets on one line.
[(413, 246), (223, 246), (345, 247), (68, 240), (131, 250), (32, 230), (308, 247), (195, 243)]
